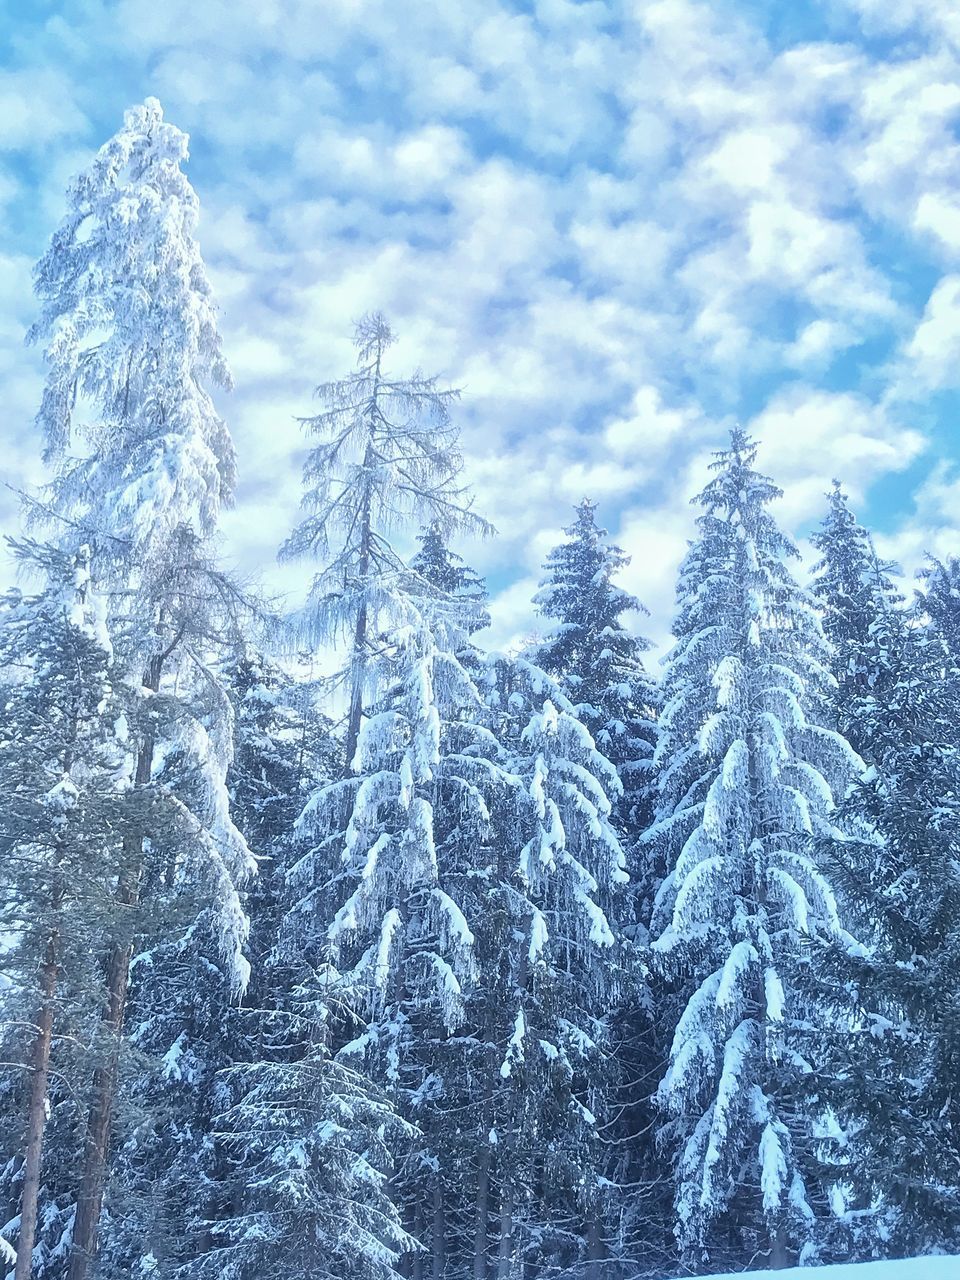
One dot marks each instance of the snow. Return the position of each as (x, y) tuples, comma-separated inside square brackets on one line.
[(939, 1268)]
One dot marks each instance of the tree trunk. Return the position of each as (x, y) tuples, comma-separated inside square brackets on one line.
[(37, 1114), (595, 1248), (359, 658), (96, 1144), (438, 1232), (481, 1231), (505, 1251), (779, 1253), (97, 1141)]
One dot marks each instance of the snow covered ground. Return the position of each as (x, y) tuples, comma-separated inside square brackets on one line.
[(911, 1269)]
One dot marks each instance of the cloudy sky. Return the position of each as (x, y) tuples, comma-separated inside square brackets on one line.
[(618, 226)]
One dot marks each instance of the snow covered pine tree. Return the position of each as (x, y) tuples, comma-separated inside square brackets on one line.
[(597, 660), (370, 892), (855, 594), (130, 341), (63, 758), (893, 1077), (745, 779)]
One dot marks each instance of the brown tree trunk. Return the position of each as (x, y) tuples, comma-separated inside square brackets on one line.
[(97, 1141), (37, 1114)]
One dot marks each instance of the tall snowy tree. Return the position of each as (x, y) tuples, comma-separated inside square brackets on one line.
[(131, 344), (373, 892), (855, 593), (550, 896), (893, 1077), (746, 777), (388, 456), (598, 659), (63, 765)]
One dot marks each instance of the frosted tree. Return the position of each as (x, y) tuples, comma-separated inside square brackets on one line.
[(746, 779), (856, 596), (313, 1141), (598, 659), (142, 465), (388, 456), (374, 891), (892, 1073), (63, 766), (445, 571), (380, 889), (550, 949)]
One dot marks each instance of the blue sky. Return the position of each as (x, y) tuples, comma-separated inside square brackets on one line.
[(619, 227)]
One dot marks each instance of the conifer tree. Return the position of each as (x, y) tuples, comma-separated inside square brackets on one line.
[(892, 1078), (131, 347), (388, 456), (855, 593), (374, 891), (596, 658), (446, 572), (550, 951), (63, 763), (745, 779)]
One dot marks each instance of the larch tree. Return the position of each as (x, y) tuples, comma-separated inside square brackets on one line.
[(388, 456), (374, 893), (746, 775), (142, 466)]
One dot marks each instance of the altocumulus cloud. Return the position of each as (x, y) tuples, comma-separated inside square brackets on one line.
[(619, 227)]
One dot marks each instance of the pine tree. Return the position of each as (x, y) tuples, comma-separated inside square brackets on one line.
[(131, 345), (745, 780), (388, 456), (892, 1079), (446, 572), (551, 958), (391, 913), (855, 594), (371, 892), (63, 763), (596, 658), (940, 603)]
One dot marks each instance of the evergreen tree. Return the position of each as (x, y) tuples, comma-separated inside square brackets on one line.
[(446, 572), (745, 779), (391, 913), (63, 764), (388, 456), (552, 966), (854, 592), (131, 347), (892, 1081), (940, 604), (598, 660)]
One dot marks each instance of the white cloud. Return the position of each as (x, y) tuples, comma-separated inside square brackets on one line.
[(618, 228), (933, 353)]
